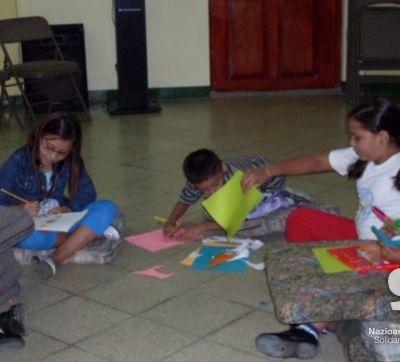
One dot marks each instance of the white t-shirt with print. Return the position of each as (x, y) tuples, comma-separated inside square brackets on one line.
[(374, 188)]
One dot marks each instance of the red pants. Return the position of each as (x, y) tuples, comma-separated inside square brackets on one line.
[(305, 225)]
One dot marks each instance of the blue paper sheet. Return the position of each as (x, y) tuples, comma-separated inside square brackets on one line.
[(207, 252)]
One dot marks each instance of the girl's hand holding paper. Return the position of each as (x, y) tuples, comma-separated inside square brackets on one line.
[(230, 205), (255, 178)]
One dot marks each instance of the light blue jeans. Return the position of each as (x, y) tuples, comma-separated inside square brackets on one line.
[(100, 214)]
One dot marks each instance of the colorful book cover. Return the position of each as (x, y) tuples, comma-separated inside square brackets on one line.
[(207, 253), (363, 258)]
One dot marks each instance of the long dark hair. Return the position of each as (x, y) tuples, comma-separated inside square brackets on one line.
[(63, 126), (380, 115)]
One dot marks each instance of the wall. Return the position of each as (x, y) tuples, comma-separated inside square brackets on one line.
[(177, 38)]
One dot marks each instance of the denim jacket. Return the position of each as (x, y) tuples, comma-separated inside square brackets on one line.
[(17, 175)]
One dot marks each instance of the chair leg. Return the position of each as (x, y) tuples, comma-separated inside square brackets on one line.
[(2, 97), (26, 100), (78, 93)]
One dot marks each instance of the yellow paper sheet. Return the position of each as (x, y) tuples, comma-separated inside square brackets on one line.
[(329, 263), (229, 206)]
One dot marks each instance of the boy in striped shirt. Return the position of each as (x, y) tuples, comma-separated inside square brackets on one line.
[(206, 173)]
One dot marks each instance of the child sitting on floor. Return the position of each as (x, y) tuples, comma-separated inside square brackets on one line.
[(40, 173), (373, 160), (206, 173)]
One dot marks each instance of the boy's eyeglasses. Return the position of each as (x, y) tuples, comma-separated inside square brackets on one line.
[(47, 147)]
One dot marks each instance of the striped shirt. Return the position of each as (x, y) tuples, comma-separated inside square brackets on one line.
[(190, 194)]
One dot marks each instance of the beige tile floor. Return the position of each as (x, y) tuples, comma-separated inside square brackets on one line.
[(106, 313)]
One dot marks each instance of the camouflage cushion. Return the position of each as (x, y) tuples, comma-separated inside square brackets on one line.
[(302, 292)]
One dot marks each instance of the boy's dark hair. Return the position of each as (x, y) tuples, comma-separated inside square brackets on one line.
[(380, 115), (199, 165)]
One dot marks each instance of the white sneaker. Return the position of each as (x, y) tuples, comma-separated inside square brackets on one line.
[(119, 223), (44, 267), (111, 233)]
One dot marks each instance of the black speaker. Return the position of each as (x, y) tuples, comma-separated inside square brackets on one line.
[(71, 40), (130, 27)]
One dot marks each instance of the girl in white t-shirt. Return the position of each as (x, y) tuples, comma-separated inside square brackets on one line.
[(373, 161)]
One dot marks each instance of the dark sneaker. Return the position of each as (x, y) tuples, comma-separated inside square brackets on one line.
[(292, 343), (44, 267), (12, 322), (16, 320), (11, 341)]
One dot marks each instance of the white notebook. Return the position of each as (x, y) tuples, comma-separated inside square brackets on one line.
[(59, 222)]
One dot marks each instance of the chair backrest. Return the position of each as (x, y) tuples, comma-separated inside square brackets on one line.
[(23, 29), (379, 31)]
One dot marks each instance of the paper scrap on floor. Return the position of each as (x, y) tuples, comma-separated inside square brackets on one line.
[(189, 260), (153, 241), (154, 272), (229, 206), (253, 244), (58, 222)]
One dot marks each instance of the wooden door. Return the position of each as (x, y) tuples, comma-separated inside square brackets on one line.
[(259, 45)]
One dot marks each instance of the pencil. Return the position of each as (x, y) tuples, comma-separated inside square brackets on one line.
[(16, 197), (159, 219), (163, 220)]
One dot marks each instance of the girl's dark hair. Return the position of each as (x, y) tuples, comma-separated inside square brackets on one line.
[(380, 115), (199, 165), (64, 126)]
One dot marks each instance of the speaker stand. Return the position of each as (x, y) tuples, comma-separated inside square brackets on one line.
[(114, 108), (130, 27)]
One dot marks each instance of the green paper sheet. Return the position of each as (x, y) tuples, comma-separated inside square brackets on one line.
[(229, 206), (328, 262)]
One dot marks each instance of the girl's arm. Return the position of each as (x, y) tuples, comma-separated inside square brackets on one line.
[(85, 194), (9, 174), (297, 166), (12, 174), (274, 183)]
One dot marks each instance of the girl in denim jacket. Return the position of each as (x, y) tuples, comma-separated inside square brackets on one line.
[(49, 172)]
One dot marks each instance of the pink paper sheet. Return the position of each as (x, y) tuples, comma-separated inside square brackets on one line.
[(153, 272), (153, 241)]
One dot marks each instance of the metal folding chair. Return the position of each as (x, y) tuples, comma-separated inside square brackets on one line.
[(41, 75)]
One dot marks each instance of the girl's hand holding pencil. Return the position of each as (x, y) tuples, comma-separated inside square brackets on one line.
[(31, 207)]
